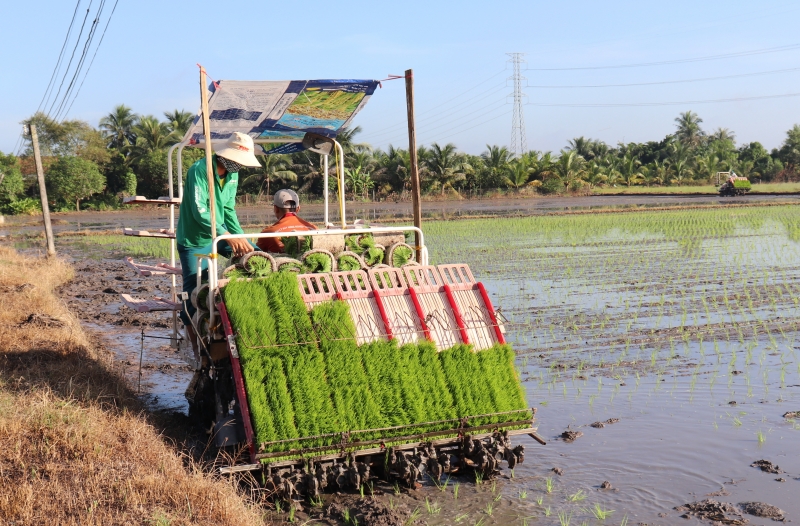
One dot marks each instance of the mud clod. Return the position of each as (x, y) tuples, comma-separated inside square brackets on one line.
[(368, 512), (606, 485), (604, 423), (558, 471), (792, 414), (767, 466), (721, 493), (712, 510), (760, 509), (571, 436)]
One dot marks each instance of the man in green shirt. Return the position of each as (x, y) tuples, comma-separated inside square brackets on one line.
[(194, 225)]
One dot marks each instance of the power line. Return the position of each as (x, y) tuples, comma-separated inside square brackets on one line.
[(666, 81), (475, 126), (685, 102), (93, 57), (440, 115), (66, 72), (467, 116), (426, 115), (60, 56), (519, 143), (679, 61), (86, 46)]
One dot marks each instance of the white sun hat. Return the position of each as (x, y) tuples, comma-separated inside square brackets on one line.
[(239, 149)]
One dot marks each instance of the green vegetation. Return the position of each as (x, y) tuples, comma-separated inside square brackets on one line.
[(130, 151), (306, 375), (348, 260), (72, 179), (318, 261), (400, 254)]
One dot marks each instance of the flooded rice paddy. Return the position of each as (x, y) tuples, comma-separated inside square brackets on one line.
[(682, 324), (676, 333)]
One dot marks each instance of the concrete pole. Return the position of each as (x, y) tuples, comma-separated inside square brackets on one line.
[(48, 229)]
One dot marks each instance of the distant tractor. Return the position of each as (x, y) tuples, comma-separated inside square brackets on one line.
[(733, 185)]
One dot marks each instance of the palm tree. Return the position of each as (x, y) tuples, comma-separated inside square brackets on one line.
[(723, 134), (543, 165), (446, 166), (179, 121), (689, 131), (659, 171), (570, 167), (495, 162), (710, 164), (117, 127), (393, 168), (151, 136), (517, 174), (630, 170), (589, 149), (345, 139), (680, 164), (274, 168), (595, 174)]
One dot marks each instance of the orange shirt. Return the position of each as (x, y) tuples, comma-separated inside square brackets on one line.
[(289, 223)]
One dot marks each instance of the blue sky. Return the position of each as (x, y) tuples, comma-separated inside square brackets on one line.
[(147, 61)]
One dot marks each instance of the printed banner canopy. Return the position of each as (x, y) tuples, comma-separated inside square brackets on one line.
[(281, 111)]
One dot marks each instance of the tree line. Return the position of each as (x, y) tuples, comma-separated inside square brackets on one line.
[(92, 168)]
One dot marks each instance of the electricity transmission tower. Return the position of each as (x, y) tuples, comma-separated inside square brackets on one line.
[(519, 143)]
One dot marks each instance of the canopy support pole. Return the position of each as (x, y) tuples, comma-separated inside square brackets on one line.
[(340, 169), (210, 174), (416, 201), (325, 188)]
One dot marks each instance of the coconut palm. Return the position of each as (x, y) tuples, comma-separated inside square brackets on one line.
[(179, 121), (275, 169), (589, 149), (446, 166), (630, 170), (595, 174), (680, 163), (117, 127), (517, 174), (570, 167), (659, 172), (689, 131), (349, 146), (496, 160), (723, 134), (709, 165), (151, 136)]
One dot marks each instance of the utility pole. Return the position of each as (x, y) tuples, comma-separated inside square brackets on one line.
[(519, 143), (416, 201), (48, 229)]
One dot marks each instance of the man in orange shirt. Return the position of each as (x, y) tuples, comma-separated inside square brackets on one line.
[(286, 204)]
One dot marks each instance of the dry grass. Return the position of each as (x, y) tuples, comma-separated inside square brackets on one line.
[(76, 445)]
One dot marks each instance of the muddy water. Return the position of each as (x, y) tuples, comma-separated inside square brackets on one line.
[(691, 343), (259, 216), (694, 351)]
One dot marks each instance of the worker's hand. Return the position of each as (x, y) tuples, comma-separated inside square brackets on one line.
[(240, 247)]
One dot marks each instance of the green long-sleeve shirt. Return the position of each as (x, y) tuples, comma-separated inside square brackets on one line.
[(194, 224)]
